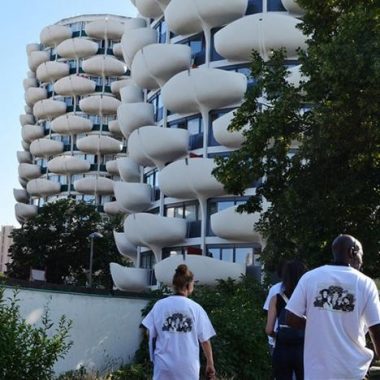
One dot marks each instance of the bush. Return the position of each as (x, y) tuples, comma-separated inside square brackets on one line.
[(28, 352)]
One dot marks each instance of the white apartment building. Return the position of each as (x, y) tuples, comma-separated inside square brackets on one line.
[(5, 243)]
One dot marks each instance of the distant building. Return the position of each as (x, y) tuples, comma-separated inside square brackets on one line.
[(5, 243)]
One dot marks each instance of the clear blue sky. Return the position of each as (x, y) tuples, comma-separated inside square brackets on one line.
[(22, 22)]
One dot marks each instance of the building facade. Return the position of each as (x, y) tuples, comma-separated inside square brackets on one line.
[(70, 135), (5, 243)]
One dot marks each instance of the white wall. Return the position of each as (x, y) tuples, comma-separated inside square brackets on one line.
[(105, 329)]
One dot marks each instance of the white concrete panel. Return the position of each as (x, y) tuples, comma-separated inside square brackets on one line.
[(29, 82), (104, 65), (263, 32), (111, 167), (133, 197), (43, 187), (48, 108), (131, 93), (26, 119), (107, 28), (52, 70), (25, 211), (114, 127), (206, 270), (158, 146), (230, 139), (36, 58), (68, 165), (94, 185), (25, 145), (99, 144), (78, 47), (21, 195), (292, 7), (148, 8), (129, 279), (32, 132), (46, 147), (190, 178), (134, 115), (135, 39), (24, 156), (124, 246), (71, 124), (155, 64), (112, 208), (134, 23), (129, 169), (99, 105), (34, 94), (197, 89), (23, 182), (29, 171), (52, 35), (32, 47), (73, 85), (116, 49), (115, 86)]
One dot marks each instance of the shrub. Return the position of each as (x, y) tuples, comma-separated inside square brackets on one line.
[(28, 352)]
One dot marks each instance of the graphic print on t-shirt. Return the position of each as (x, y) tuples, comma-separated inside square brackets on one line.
[(177, 322), (335, 298)]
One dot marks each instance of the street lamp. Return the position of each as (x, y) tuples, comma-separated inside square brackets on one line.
[(92, 236)]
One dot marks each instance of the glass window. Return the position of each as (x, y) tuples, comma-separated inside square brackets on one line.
[(227, 254), (243, 255), (191, 212), (178, 212), (194, 126), (225, 204), (214, 253), (254, 6), (275, 6)]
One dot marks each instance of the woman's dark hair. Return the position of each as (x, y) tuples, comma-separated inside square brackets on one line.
[(182, 277), (292, 272)]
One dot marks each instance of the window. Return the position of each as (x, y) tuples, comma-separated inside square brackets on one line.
[(245, 70), (188, 211), (158, 106), (197, 46), (242, 254), (161, 29), (275, 6), (254, 6)]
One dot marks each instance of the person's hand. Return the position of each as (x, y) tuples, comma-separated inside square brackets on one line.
[(210, 372)]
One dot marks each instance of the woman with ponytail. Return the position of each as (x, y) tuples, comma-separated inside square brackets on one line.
[(177, 325)]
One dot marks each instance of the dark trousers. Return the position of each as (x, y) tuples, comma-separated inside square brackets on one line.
[(288, 360)]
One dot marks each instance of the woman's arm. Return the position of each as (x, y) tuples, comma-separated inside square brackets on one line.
[(207, 350), (271, 317)]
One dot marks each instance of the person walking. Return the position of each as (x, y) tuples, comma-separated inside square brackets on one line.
[(287, 360), (337, 305), (176, 326)]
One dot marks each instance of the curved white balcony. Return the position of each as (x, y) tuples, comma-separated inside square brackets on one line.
[(231, 225), (134, 23), (190, 178), (111, 167), (29, 82), (29, 171), (74, 85), (36, 58), (155, 145), (124, 246), (103, 65), (99, 144), (24, 156), (263, 32), (23, 182), (206, 270), (133, 197), (32, 47), (99, 105), (197, 89), (117, 52), (27, 119), (154, 231), (155, 64), (94, 185), (113, 208), (34, 94), (134, 115), (131, 93), (52, 70), (25, 145), (118, 84), (292, 7), (48, 109), (21, 195), (52, 35), (114, 127), (43, 187), (71, 124), (78, 47), (28, 109), (105, 29), (191, 16), (135, 39), (30, 133), (24, 211), (129, 169), (230, 139), (68, 165), (129, 279), (148, 8), (46, 147)]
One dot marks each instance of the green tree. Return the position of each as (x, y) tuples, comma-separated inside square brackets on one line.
[(28, 352), (56, 240), (330, 184)]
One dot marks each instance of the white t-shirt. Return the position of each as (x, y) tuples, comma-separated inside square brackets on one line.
[(340, 303), (273, 290), (178, 324)]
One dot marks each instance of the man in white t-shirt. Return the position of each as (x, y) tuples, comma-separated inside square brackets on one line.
[(337, 304)]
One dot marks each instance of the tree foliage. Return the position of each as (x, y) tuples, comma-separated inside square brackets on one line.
[(56, 240), (28, 352), (315, 146)]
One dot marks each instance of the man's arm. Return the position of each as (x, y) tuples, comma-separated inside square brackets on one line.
[(207, 350), (374, 332), (295, 321)]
